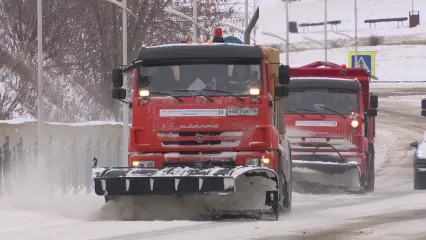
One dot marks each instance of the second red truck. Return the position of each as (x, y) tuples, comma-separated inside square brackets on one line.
[(330, 121)]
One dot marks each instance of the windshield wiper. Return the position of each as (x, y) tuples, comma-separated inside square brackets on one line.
[(294, 111), (194, 93), (330, 109), (220, 91), (168, 94), (309, 110)]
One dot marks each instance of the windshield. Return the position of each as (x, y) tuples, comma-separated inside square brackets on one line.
[(235, 79), (322, 101)]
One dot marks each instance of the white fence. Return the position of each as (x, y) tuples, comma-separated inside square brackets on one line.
[(69, 150)]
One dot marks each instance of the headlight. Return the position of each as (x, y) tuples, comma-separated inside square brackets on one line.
[(265, 161), (421, 154), (143, 93), (144, 164), (354, 123), (252, 162), (355, 159), (254, 91)]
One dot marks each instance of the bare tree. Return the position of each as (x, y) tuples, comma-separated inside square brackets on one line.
[(82, 43)]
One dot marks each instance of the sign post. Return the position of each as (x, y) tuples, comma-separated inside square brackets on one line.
[(365, 59)]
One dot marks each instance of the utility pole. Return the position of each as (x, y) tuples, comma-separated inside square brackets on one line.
[(195, 17), (125, 86), (325, 30), (40, 83), (246, 14), (287, 34), (356, 34)]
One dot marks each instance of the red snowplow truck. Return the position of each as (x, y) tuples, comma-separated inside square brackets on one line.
[(207, 129), (330, 121)]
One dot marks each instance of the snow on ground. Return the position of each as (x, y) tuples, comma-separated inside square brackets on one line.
[(392, 230), (413, 100), (393, 63), (272, 18)]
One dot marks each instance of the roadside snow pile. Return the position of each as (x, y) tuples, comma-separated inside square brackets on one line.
[(413, 100), (13, 220)]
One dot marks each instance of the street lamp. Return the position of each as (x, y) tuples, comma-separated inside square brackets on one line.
[(194, 22), (125, 143), (193, 19), (179, 14), (287, 33), (325, 31), (356, 33), (282, 39), (40, 97)]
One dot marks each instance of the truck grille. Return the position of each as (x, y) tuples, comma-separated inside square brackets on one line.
[(214, 139), (319, 158), (421, 163)]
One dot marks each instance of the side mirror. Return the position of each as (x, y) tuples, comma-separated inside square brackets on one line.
[(414, 144), (119, 93), (284, 74), (374, 101), (372, 112), (117, 78), (282, 91)]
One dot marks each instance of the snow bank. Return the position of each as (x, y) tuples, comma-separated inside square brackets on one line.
[(18, 121)]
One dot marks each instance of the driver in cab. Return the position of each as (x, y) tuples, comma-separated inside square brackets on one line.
[(242, 79)]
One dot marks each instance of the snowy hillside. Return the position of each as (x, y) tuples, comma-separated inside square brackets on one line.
[(272, 18), (393, 63)]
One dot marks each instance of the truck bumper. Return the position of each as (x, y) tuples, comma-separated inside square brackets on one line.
[(329, 174)]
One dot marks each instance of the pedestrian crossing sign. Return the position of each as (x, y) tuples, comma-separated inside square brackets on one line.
[(365, 59)]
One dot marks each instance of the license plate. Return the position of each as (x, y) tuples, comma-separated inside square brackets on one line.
[(242, 111), (315, 140)]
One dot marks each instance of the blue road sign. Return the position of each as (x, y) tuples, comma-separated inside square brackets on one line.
[(365, 60)]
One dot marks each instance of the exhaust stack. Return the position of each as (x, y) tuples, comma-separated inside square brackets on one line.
[(250, 26)]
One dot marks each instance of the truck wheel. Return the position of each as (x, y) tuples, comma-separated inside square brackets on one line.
[(370, 178), (417, 183), (287, 198), (110, 198), (287, 189)]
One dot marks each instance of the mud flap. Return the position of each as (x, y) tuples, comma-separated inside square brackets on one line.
[(248, 192), (329, 175)]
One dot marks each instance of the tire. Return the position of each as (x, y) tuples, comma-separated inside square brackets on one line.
[(417, 182), (286, 189), (110, 198), (371, 176)]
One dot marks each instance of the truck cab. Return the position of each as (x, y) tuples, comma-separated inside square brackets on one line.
[(330, 124)]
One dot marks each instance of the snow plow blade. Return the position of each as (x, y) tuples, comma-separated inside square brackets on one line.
[(240, 192), (323, 174)]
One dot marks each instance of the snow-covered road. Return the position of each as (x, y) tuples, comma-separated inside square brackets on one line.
[(393, 211)]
